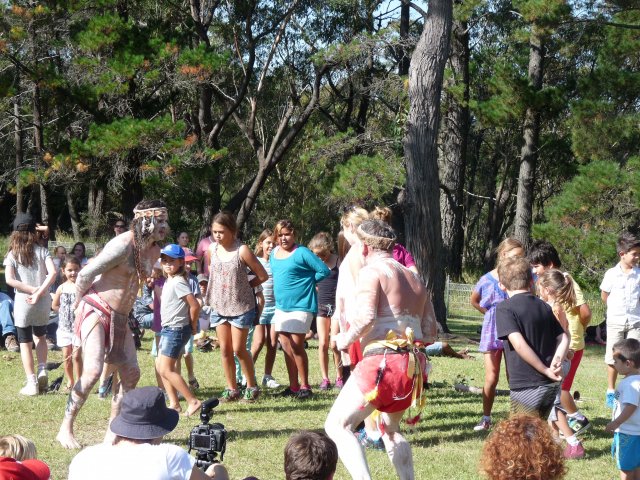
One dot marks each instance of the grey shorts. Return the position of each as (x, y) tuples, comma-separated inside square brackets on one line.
[(534, 400)]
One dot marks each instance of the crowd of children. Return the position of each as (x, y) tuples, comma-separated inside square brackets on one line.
[(535, 316)]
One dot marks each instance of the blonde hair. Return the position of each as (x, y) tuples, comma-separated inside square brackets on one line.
[(561, 286), (17, 446), (381, 213), (507, 245), (321, 242), (354, 216)]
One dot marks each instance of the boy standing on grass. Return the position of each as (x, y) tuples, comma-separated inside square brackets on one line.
[(535, 343), (626, 414), (620, 289)]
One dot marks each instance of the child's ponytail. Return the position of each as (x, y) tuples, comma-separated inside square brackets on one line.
[(561, 285)]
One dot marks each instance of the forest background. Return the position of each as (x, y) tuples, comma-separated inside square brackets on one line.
[(472, 120)]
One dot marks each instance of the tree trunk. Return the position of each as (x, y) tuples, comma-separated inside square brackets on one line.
[(453, 162), (531, 133), (405, 22), (17, 138), (95, 207), (422, 215), (73, 214)]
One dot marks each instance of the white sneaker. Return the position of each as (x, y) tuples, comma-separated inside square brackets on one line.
[(43, 380), (30, 389), (270, 382)]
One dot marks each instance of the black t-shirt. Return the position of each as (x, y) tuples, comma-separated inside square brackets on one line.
[(534, 319)]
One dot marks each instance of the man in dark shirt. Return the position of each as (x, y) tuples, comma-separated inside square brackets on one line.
[(535, 343)]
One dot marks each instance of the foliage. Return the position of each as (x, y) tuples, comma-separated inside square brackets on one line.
[(585, 220)]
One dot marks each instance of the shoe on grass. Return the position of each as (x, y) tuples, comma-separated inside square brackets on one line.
[(610, 400), (193, 383), (30, 389), (229, 395), (574, 452), (367, 442), (339, 383), (287, 392), (11, 344), (43, 380), (483, 425), (304, 394), (325, 384), (579, 425), (269, 382), (250, 395)]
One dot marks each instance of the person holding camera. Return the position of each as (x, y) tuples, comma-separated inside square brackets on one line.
[(138, 451)]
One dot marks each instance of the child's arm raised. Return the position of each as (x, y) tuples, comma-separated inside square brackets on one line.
[(625, 414)]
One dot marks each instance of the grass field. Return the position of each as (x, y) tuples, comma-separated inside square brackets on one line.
[(444, 443)]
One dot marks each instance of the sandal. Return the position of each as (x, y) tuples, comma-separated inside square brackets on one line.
[(193, 383)]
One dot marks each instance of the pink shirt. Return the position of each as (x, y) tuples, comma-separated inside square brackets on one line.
[(202, 252), (402, 256)]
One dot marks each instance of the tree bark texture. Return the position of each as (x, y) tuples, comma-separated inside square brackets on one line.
[(453, 162), (17, 138), (73, 214), (95, 208), (422, 212), (531, 133)]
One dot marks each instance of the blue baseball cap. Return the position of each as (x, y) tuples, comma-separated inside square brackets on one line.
[(172, 250)]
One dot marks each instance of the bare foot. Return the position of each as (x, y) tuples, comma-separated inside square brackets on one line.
[(66, 439), (177, 408), (193, 407)]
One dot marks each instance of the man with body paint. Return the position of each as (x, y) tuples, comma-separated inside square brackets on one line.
[(106, 291), (394, 320)]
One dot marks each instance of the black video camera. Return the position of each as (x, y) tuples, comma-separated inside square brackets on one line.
[(208, 440)]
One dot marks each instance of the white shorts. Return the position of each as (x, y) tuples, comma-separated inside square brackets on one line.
[(64, 339), (292, 322)]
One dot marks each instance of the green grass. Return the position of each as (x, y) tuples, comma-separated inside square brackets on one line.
[(444, 444)]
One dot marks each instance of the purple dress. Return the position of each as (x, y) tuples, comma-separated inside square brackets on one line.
[(490, 296)]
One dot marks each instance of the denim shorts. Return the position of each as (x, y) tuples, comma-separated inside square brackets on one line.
[(173, 340), (240, 321), (434, 350)]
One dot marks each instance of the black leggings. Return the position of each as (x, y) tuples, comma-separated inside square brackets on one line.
[(26, 334)]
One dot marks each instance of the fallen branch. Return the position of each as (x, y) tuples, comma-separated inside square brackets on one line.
[(461, 387)]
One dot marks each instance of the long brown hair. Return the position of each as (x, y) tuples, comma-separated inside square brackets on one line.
[(266, 233), (22, 244)]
